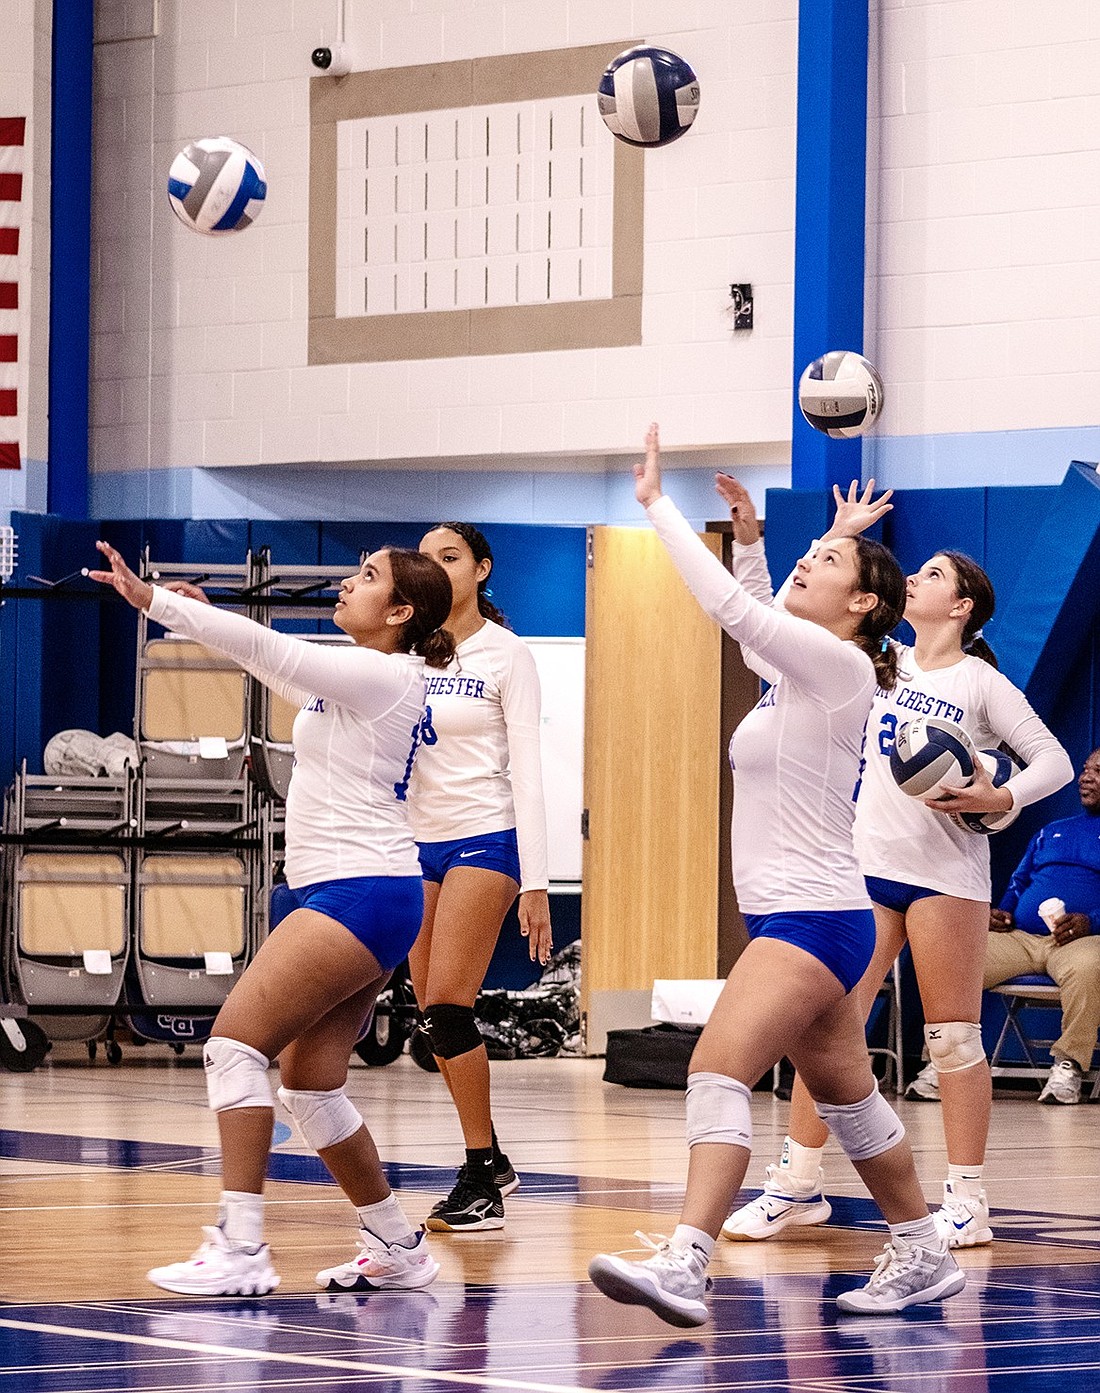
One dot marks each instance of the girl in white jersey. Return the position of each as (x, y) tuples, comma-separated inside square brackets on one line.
[(928, 878), (796, 759), (352, 869), (477, 811)]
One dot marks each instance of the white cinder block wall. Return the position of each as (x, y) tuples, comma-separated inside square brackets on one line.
[(983, 279), (986, 282), (200, 344)]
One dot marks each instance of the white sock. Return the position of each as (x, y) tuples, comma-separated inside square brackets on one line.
[(965, 1180), (242, 1217), (387, 1221), (684, 1236), (801, 1163), (920, 1231)]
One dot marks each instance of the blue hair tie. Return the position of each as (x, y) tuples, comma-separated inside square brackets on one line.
[(885, 643)]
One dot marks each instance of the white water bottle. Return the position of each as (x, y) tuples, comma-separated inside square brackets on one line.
[(1050, 911)]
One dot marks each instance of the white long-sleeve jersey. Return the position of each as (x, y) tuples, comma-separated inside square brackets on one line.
[(354, 739), (796, 755), (898, 837), (479, 766)]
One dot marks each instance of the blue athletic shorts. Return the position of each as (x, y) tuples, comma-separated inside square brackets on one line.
[(382, 911), (895, 894), (493, 851), (842, 939)]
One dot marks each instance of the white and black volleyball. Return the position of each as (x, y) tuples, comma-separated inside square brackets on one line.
[(1000, 767), (648, 96), (216, 185), (931, 754), (840, 394)]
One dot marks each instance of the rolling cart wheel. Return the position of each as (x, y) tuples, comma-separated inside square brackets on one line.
[(23, 1045), (113, 1050), (384, 1040), (176, 1047), (93, 1050)]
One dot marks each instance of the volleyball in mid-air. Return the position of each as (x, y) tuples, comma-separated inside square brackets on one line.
[(648, 96), (840, 394), (931, 755), (216, 185), (1000, 768)]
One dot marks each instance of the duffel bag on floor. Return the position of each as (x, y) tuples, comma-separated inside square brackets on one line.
[(656, 1057)]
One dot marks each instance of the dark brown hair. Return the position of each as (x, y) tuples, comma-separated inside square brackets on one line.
[(482, 551), (423, 583), (879, 574), (972, 583)]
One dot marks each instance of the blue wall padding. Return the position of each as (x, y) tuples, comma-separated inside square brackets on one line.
[(1054, 603)]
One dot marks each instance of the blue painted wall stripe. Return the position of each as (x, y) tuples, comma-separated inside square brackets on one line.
[(70, 258), (830, 183)]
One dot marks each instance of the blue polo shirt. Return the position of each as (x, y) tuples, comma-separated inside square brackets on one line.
[(1062, 861)]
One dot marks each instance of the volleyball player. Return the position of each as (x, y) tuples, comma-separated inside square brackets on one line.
[(796, 760), (476, 806), (928, 878), (353, 872)]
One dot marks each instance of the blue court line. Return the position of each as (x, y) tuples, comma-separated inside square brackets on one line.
[(852, 1212)]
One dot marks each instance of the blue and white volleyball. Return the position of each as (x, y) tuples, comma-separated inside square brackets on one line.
[(648, 96), (931, 755), (1000, 768), (216, 185), (840, 394)]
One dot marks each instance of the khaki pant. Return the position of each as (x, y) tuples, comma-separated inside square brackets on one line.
[(1076, 969)]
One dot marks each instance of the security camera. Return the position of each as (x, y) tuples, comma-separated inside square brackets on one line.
[(333, 62)]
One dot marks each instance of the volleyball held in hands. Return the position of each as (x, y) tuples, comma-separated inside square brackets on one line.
[(931, 755), (648, 96), (216, 185), (840, 394), (1000, 767)]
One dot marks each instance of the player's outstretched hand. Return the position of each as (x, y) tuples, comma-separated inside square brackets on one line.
[(647, 472), (746, 527), (858, 511), (134, 591)]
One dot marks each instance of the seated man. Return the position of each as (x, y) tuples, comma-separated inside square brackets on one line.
[(1061, 862)]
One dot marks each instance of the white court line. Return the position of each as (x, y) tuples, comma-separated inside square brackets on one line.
[(307, 1360)]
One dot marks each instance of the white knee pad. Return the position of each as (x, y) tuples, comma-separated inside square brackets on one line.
[(954, 1046), (236, 1075), (323, 1118), (718, 1111), (863, 1129)]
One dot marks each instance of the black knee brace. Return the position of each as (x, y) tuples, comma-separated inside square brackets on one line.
[(451, 1029)]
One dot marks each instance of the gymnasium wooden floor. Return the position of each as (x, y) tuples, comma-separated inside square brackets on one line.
[(105, 1172)]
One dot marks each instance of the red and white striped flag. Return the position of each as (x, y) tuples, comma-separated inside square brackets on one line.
[(12, 135)]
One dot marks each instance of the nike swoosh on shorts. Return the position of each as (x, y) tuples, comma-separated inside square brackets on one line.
[(479, 852)]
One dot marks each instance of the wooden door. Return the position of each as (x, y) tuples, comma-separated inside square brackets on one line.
[(652, 758)]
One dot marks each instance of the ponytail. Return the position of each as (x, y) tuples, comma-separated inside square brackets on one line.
[(437, 648), (972, 583), (880, 575)]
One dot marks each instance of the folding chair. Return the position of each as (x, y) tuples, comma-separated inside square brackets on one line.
[(195, 876), (67, 890), (191, 704), (1029, 990)]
